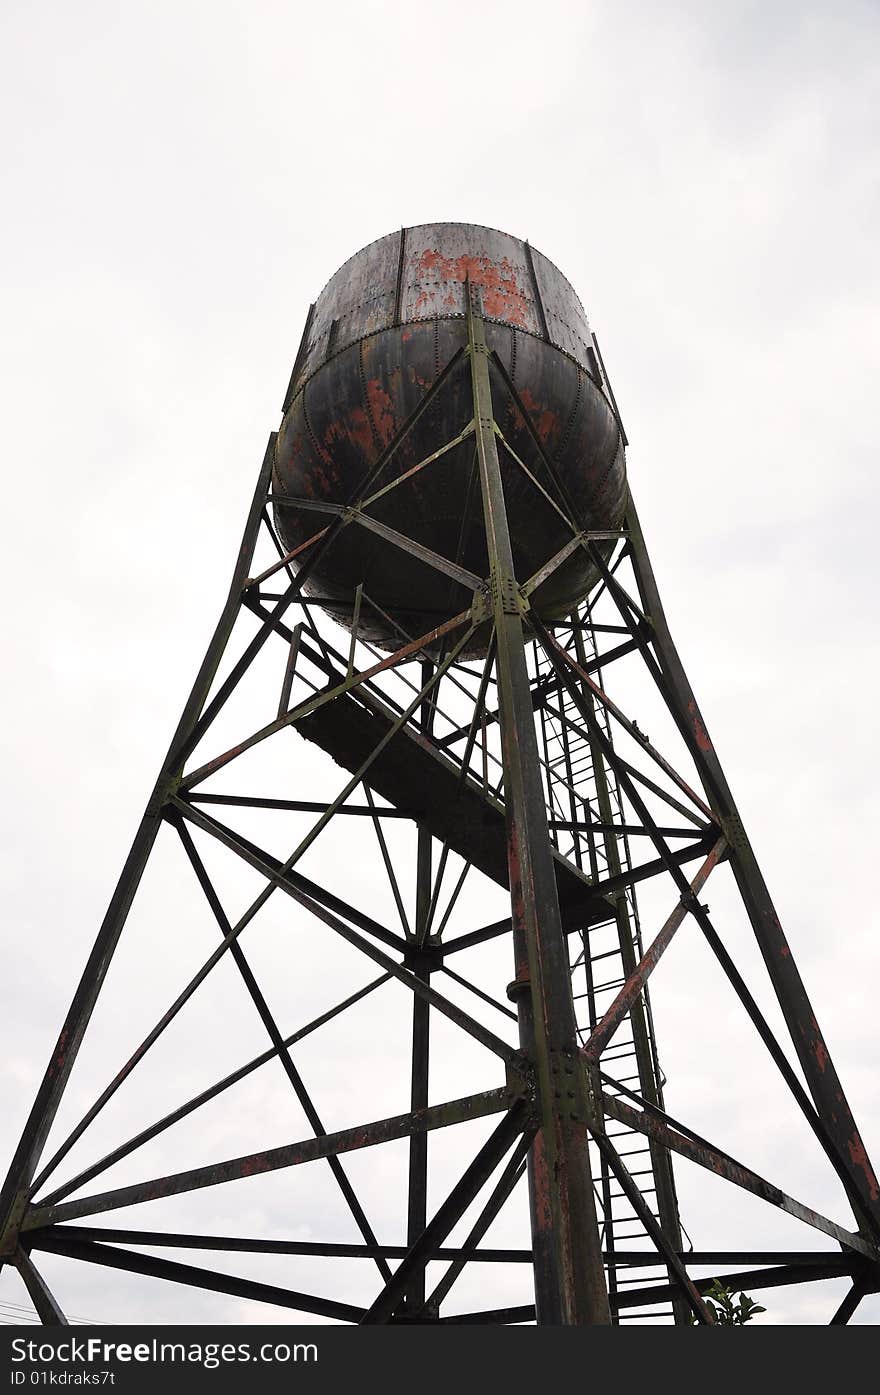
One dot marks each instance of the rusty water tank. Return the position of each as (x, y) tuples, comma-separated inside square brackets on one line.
[(379, 334)]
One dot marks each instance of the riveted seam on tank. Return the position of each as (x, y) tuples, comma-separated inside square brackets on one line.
[(603, 481), (513, 355), (336, 340), (365, 396), (572, 416), (491, 320), (366, 247), (435, 320), (484, 227), (399, 279), (598, 489), (571, 330), (424, 285), (602, 390), (368, 300), (387, 236), (316, 445), (383, 294)]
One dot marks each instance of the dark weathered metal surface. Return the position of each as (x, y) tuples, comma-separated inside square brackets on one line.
[(453, 1208), (289, 1155), (194, 1277), (381, 331), (437, 259), (725, 1166), (413, 771), (41, 1295)]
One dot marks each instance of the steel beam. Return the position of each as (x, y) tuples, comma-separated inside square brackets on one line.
[(48, 1310), (13, 1197), (569, 1277), (812, 1051), (453, 1208), (726, 1167), (203, 1097), (438, 1116), (208, 1279)]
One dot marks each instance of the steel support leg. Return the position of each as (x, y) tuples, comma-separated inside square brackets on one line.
[(13, 1198), (569, 1276), (419, 963), (822, 1079)]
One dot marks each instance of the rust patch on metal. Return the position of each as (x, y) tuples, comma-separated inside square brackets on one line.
[(503, 299), (415, 377), (860, 1159), (359, 430), (381, 410), (60, 1055), (314, 479), (819, 1049), (545, 422), (700, 733), (543, 1211), (517, 904)]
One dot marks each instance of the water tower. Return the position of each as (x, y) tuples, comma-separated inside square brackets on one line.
[(457, 576)]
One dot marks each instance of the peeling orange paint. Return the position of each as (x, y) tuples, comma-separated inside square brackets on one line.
[(502, 297), (546, 423), (359, 430), (860, 1159), (700, 733), (381, 410)]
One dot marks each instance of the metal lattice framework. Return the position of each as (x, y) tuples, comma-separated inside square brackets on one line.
[(515, 769)]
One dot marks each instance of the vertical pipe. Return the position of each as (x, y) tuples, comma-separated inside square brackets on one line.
[(569, 1275), (420, 964), (417, 1207)]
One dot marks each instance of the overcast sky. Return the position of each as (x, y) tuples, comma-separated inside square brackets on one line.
[(182, 178)]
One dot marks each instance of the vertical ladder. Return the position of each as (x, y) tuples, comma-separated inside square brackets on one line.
[(588, 827)]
